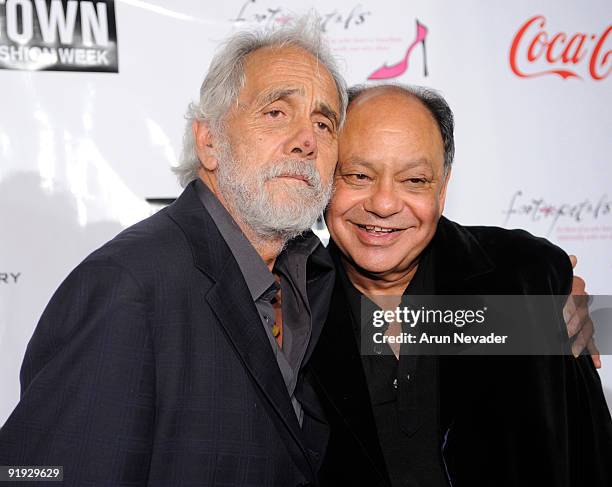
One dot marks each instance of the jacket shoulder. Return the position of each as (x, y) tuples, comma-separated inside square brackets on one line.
[(515, 243), (155, 242), (518, 252)]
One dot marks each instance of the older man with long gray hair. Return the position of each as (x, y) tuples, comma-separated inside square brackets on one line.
[(172, 355)]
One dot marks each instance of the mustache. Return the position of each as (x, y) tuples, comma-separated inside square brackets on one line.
[(305, 169)]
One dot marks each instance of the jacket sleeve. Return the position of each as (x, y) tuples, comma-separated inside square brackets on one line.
[(571, 397), (589, 421), (558, 267), (533, 419), (87, 383)]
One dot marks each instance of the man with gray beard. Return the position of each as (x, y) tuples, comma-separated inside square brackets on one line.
[(172, 355), (248, 195)]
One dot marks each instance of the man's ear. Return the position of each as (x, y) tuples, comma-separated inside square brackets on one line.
[(442, 197), (204, 145)]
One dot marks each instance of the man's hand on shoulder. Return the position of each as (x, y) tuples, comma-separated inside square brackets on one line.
[(579, 323)]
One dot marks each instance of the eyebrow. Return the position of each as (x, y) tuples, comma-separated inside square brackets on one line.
[(358, 161), (283, 93), (276, 94), (327, 111)]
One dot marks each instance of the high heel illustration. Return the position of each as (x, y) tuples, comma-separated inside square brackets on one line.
[(386, 72)]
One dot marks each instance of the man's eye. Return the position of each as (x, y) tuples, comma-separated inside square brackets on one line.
[(357, 177), (323, 126), (416, 180), (273, 113)]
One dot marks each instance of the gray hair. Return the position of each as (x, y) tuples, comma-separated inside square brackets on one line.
[(432, 100), (226, 77)]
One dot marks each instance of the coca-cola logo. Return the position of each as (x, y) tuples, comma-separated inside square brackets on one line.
[(536, 52)]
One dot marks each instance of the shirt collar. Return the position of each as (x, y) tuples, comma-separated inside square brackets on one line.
[(422, 283), (255, 271)]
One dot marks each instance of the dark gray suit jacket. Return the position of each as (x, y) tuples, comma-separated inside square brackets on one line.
[(150, 367)]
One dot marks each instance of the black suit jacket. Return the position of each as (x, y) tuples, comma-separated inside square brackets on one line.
[(498, 421), (150, 366)]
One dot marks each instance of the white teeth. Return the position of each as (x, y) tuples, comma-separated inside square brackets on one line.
[(371, 228)]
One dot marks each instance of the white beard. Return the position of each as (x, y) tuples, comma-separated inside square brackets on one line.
[(256, 205)]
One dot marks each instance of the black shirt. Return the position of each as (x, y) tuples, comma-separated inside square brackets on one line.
[(406, 414)]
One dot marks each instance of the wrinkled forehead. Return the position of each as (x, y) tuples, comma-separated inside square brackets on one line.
[(389, 110), (290, 67), (390, 127)]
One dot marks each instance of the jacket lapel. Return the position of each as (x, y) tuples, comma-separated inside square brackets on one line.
[(319, 284), (459, 260), (337, 368), (461, 267), (237, 314), (320, 279), (231, 302)]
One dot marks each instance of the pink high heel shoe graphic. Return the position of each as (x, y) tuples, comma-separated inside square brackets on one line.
[(387, 72)]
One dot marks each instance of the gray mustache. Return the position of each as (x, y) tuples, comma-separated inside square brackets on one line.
[(293, 167)]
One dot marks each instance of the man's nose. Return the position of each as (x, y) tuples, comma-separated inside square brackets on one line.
[(383, 201), (302, 142)]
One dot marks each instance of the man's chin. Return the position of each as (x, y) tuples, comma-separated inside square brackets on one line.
[(298, 194), (376, 265), (294, 207), (283, 222)]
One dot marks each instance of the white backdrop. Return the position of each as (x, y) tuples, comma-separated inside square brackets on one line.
[(81, 151)]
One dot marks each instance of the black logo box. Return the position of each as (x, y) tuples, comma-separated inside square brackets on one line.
[(58, 35)]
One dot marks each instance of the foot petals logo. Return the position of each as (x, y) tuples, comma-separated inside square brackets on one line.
[(534, 52), (388, 72)]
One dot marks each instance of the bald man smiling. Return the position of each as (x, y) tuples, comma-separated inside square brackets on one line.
[(407, 420)]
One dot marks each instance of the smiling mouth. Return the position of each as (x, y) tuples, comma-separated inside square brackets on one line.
[(375, 230)]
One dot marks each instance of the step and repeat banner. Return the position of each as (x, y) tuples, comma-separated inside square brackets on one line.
[(93, 96)]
